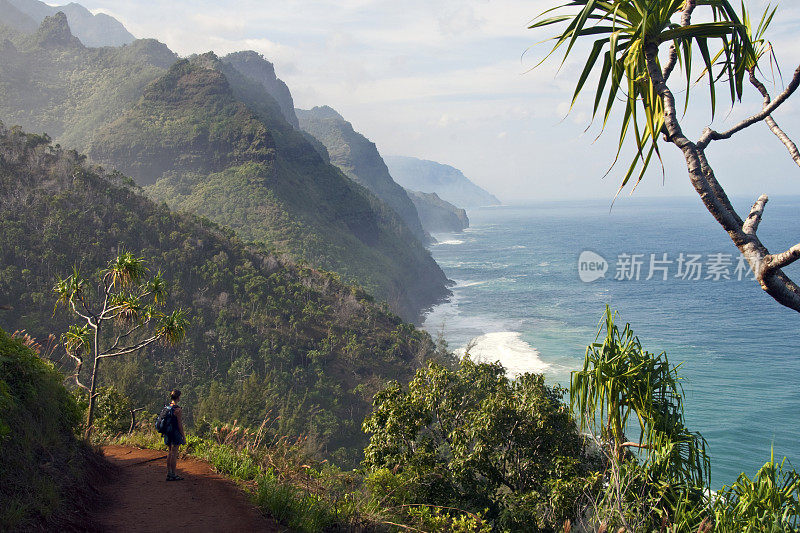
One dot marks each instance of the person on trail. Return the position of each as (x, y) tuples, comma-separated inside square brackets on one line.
[(174, 436)]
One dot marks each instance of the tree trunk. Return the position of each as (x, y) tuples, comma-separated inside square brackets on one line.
[(93, 385)]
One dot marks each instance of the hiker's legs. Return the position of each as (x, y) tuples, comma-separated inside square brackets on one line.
[(172, 459)]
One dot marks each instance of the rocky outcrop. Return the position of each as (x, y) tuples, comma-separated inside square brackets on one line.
[(438, 216), (254, 66)]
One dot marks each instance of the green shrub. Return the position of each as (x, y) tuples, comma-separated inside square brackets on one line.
[(469, 438), (38, 420), (112, 412), (770, 502)]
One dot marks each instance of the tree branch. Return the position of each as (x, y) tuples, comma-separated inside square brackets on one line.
[(711, 135), (773, 126), (76, 375), (129, 349), (672, 58), (124, 335), (750, 225), (766, 267), (773, 262)]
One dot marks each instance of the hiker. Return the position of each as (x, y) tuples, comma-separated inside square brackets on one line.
[(174, 435)]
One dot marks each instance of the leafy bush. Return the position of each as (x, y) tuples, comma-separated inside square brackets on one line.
[(113, 410), (770, 502), (472, 439)]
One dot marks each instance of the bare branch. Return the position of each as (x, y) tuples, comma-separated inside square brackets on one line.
[(124, 335), (773, 262), (750, 226), (129, 349), (773, 126), (85, 317), (767, 268), (711, 135), (634, 445), (672, 58), (77, 373)]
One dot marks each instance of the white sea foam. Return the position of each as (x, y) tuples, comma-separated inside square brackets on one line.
[(460, 284), (508, 347), (450, 241)]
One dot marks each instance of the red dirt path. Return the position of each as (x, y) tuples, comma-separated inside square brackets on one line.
[(137, 497)]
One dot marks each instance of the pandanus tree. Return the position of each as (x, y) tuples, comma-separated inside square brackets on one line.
[(635, 49), (119, 316), (623, 387)]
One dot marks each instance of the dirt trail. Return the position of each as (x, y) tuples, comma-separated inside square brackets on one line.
[(138, 498)]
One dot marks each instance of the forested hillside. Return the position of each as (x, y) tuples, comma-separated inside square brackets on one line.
[(359, 159), (221, 146), (269, 337)]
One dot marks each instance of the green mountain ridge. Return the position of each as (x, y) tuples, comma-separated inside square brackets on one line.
[(221, 146), (50, 83), (358, 158), (241, 164), (269, 337), (448, 182)]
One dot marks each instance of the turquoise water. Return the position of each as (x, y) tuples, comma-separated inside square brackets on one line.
[(519, 299)]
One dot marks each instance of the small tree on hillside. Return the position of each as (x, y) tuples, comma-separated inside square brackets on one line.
[(121, 317), (630, 36)]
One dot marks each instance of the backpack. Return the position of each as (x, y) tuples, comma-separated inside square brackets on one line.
[(165, 419)]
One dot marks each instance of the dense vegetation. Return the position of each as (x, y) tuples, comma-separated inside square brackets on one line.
[(470, 438), (42, 461), (359, 159), (268, 335)]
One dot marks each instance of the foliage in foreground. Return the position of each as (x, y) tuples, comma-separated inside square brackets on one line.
[(665, 484), (470, 438), (42, 461)]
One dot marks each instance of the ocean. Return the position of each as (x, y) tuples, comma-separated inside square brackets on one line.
[(520, 298)]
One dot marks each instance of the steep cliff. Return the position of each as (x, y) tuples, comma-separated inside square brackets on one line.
[(359, 159), (438, 216), (205, 138)]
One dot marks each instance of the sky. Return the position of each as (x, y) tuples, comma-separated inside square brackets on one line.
[(453, 81)]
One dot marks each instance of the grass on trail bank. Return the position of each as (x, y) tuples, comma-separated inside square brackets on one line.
[(302, 493)]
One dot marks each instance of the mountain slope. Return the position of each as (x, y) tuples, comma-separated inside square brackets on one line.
[(15, 19), (359, 159), (208, 139), (291, 198), (438, 216), (92, 30), (269, 337), (448, 182), (51, 83)]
